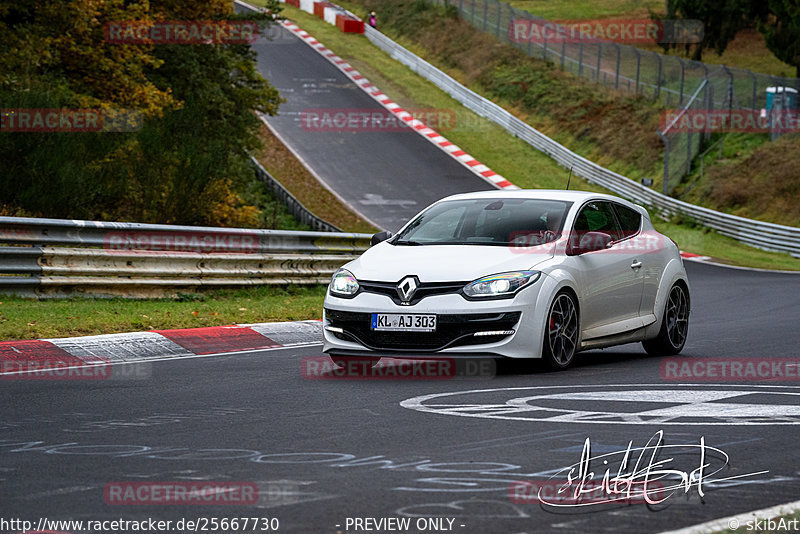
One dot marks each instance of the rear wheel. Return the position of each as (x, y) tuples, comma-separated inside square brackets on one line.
[(674, 327), (561, 332), (355, 364)]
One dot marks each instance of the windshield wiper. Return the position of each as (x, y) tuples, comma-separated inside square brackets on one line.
[(410, 243)]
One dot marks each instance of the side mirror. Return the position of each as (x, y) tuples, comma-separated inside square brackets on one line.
[(588, 242), (379, 237)]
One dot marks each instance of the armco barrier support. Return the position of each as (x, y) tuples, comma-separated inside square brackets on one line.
[(307, 6), (319, 8), (349, 24), (331, 13)]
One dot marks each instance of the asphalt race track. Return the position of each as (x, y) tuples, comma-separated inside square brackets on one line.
[(323, 450), (386, 175)]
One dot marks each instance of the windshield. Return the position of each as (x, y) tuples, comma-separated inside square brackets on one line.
[(486, 221)]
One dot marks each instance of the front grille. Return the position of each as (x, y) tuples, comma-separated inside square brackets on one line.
[(452, 330), (425, 289)]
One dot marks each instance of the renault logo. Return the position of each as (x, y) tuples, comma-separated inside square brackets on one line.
[(406, 288)]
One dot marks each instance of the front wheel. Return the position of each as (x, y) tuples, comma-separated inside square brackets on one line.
[(674, 327), (561, 332)]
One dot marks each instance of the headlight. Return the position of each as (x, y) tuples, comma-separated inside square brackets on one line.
[(343, 284), (503, 285)]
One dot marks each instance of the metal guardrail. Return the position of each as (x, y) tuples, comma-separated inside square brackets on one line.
[(667, 78), (764, 235), (56, 257), (295, 207)]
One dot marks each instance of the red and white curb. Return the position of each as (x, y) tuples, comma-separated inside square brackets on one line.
[(28, 356), (418, 126)]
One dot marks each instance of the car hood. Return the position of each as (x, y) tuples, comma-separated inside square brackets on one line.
[(442, 263)]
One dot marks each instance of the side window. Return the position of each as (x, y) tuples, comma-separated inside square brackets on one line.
[(629, 219), (598, 217)]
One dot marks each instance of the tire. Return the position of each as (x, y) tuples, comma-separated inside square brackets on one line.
[(562, 330), (355, 364), (674, 326)]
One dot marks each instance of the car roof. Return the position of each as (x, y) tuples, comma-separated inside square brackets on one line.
[(544, 194)]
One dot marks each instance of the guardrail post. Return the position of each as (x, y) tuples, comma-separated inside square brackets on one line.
[(658, 76), (544, 49), (599, 58), (497, 29), (665, 140), (530, 41)]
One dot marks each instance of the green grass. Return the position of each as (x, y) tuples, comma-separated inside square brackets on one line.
[(22, 318), (589, 9), (510, 156)]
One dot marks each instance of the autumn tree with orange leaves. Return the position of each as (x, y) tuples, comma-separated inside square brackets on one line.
[(186, 161)]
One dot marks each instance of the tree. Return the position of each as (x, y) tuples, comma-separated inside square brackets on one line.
[(188, 163), (721, 20), (781, 30)]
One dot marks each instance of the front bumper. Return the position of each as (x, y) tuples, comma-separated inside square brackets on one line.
[(346, 327)]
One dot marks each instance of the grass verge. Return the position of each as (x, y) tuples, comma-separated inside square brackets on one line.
[(510, 156), (22, 318)]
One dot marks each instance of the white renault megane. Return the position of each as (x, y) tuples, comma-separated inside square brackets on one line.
[(511, 274)]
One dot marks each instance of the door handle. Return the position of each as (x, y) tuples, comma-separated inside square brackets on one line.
[(636, 264)]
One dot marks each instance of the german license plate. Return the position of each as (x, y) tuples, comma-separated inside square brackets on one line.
[(395, 322)]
